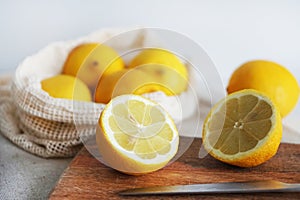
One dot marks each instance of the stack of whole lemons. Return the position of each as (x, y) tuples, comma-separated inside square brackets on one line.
[(151, 70), (134, 135), (97, 70)]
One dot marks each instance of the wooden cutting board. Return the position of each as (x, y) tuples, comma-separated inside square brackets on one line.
[(87, 178)]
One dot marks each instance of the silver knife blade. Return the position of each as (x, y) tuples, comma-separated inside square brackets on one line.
[(228, 187)]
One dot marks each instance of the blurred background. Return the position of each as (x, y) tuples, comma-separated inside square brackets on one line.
[(232, 32)]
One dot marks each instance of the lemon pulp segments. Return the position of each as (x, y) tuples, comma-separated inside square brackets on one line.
[(137, 135), (140, 128), (247, 120)]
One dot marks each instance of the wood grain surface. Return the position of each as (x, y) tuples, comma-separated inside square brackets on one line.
[(87, 178)]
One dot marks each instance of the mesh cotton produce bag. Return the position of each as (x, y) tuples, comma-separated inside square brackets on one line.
[(52, 127)]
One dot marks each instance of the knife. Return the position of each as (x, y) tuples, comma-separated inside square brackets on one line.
[(228, 187)]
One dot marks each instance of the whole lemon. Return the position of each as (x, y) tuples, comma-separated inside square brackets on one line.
[(91, 61), (106, 85), (163, 78), (270, 78), (126, 81), (139, 80), (162, 57), (66, 87)]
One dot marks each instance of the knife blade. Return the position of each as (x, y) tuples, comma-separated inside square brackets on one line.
[(227, 187)]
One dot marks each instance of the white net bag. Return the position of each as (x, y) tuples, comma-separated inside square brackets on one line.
[(52, 127)]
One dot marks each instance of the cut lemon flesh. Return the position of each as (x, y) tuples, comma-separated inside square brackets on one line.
[(244, 129), (136, 135)]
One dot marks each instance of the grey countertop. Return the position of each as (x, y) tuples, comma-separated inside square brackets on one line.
[(25, 176)]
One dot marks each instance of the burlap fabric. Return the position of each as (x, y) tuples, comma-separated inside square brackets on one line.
[(51, 127)]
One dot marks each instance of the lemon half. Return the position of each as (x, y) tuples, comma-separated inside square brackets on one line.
[(244, 129), (136, 135)]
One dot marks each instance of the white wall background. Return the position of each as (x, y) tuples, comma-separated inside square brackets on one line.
[(231, 31)]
